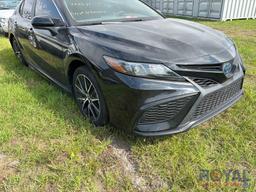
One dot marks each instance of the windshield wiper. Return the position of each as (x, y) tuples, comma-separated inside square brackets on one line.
[(93, 23), (102, 23), (133, 20), (118, 21)]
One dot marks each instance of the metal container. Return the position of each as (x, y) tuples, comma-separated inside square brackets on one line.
[(211, 9), (239, 9)]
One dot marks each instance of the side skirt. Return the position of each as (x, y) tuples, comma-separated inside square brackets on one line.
[(48, 77)]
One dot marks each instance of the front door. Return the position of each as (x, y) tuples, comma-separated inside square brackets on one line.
[(49, 43)]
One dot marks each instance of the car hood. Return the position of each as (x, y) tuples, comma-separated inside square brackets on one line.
[(165, 40), (6, 13)]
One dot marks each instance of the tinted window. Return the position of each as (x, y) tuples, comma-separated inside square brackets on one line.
[(46, 8), (21, 7), (27, 9)]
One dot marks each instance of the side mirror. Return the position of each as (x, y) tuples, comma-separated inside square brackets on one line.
[(42, 22)]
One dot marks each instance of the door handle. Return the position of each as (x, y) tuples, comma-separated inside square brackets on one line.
[(32, 38), (23, 28)]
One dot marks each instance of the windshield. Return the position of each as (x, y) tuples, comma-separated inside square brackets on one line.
[(90, 11), (8, 4)]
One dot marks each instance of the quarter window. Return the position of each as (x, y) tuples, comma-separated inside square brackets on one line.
[(46, 8), (21, 8), (27, 9)]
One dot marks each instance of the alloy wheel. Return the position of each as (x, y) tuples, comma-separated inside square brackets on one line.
[(17, 51), (87, 97)]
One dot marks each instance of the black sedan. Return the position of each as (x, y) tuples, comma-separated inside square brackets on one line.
[(127, 65)]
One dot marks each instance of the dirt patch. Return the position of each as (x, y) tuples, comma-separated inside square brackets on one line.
[(8, 166), (239, 32), (117, 158), (122, 151), (244, 33), (251, 78)]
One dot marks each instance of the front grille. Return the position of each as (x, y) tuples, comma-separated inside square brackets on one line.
[(212, 67), (167, 111), (205, 72), (205, 83), (217, 99)]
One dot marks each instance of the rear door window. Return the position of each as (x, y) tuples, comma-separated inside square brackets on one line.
[(21, 8), (27, 10)]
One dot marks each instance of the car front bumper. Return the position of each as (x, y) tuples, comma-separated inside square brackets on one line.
[(157, 108), (190, 124)]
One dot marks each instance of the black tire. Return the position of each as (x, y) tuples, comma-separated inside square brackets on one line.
[(89, 97), (17, 52)]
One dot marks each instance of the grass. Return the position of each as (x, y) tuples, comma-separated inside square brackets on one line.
[(45, 144)]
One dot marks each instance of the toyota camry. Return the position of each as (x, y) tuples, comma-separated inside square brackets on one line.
[(128, 65)]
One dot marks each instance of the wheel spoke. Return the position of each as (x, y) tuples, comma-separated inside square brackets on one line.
[(81, 99), (89, 89), (79, 81), (80, 90), (84, 103), (91, 110), (94, 106), (85, 84), (95, 100)]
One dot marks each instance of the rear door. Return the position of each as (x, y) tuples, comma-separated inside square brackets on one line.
[(23, 26)]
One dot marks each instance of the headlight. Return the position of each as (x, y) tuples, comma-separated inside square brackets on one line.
[(232, 45), (239, 60), (147, 70), (231, 41)]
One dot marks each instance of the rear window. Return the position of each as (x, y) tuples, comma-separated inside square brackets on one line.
[(27, 9)]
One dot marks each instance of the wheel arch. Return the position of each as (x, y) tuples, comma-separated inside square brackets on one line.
[(73, 62), (11, 37)]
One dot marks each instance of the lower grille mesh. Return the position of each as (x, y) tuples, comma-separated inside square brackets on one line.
[(205, 83), (216, 99), (164, 112)]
